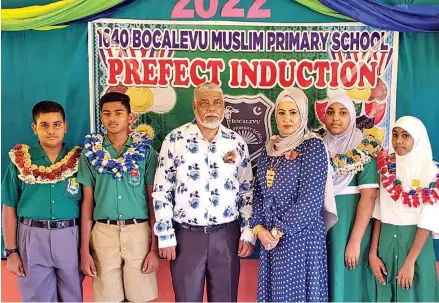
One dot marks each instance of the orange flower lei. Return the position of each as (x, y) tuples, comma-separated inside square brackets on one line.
[(31, 173)]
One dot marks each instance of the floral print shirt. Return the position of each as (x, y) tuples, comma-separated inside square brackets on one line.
[(202, 183)]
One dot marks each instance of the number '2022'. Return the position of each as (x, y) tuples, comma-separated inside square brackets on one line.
[(206, 9)]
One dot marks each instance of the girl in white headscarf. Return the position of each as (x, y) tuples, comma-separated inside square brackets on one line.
[(407, 213), (353, 157), (288, 208)]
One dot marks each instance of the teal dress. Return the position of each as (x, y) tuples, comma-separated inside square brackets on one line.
[(394, 246), (356, 285)]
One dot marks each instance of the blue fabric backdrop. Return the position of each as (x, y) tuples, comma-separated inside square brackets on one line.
[(407, 16)]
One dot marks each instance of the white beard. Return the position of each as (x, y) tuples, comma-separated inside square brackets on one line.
[(209, 125)]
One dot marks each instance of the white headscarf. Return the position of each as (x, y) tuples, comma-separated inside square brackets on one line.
[(280, 144), (340, 144), (418, 163)]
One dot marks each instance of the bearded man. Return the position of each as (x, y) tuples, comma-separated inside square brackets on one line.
[(203, 184)]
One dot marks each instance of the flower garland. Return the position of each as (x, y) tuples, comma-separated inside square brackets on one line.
[(410, 197), (354, 160), (101, 160), (32, 173)]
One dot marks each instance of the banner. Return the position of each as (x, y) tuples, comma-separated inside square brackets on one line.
[(158, 64)]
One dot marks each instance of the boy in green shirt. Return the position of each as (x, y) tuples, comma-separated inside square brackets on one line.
[(41, 194), (117, 172)]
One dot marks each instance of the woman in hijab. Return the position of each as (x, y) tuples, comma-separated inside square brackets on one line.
[(402, 255), (288, 207), (355, 178)]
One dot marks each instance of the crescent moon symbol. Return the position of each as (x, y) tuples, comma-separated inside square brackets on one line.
[(257, 110)]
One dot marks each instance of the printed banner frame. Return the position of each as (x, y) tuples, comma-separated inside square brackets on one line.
[(155, 119)]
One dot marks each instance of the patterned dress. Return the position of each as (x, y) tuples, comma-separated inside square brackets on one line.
[(296, 269)]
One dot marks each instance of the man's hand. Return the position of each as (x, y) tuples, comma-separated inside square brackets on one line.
[(168, 253), (15, 265), (245, 249), (151, 262)]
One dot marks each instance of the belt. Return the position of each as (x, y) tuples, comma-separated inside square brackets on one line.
[(205, 229), (121, 222), (50, 224)]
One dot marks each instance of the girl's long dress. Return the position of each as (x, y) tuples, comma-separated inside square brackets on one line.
[(296, 269), (356, 285)]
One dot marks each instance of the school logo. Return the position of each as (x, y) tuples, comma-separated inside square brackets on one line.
[(249, 116), (72, 186), (134, 177)]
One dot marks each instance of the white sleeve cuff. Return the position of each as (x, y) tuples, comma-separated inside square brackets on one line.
[(429, 218), (247, 236), (372, 185), (167, 241)]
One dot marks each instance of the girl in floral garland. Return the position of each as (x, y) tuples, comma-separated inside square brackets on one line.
[(353, 157), (402, 254)]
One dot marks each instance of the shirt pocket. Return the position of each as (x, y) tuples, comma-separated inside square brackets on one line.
[(72, 189)]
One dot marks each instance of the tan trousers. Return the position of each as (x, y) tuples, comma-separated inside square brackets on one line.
[(119, 252)]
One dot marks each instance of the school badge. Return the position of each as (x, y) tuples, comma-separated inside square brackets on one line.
[(72, 186), (249, 116), (134, 177)]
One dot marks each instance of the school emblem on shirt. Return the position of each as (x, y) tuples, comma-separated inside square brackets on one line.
[(250, 117), (134, 177), (72, 186)]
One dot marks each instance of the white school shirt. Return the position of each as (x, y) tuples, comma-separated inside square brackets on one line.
[(388, 211)]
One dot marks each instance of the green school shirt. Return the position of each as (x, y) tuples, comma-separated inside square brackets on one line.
[(57, 201), (119, 199)]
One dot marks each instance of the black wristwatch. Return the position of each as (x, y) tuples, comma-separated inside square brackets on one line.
[(9, 252)]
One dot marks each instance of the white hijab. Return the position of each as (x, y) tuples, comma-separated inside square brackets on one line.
[(340, 144), (418, 163)]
